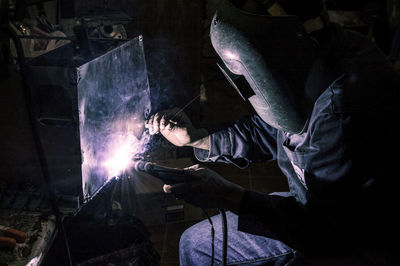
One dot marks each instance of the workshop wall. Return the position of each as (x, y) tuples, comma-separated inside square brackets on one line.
[(172, 40), (19, 162)]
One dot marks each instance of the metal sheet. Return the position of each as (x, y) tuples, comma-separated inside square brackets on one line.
[(113, 101)]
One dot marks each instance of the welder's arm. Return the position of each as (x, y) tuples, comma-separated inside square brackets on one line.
[(177, 128), (248, 140), (203, 187)]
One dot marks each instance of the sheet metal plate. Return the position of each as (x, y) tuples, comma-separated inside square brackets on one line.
[(113, 102)]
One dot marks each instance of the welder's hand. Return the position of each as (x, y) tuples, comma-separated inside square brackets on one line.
[(205, 188), (176, 127)]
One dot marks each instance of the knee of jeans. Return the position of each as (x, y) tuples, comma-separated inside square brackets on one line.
[(185, 248), (191, 240), (186, 241), (195, 243)]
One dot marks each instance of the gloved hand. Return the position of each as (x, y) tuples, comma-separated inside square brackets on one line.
[(205, 188), (177, 128)]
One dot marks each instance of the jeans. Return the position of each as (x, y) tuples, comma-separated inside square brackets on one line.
[(243, 248)]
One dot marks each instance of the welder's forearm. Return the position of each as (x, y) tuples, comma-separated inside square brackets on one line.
[(202, 140)]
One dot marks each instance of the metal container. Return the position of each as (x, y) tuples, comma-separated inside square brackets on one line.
[(90, 113)]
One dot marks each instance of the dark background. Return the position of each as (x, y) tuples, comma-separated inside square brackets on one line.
[(181, 65)]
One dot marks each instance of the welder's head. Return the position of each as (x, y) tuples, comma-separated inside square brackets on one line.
[(267, 52)]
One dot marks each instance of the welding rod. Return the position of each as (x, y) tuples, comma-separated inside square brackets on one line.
[(7, 242), (184, 107), (168, 175), (19, 236)]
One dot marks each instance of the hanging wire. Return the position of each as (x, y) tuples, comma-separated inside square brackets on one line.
[(212, 235)]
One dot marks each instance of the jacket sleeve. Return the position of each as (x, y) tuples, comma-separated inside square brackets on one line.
[(249, 140)]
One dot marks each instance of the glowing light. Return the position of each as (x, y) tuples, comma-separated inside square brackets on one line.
[(121, 141), (119, 160), (231, 55), (121, 148)]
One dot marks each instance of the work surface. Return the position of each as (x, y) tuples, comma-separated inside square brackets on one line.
[(39, 229)]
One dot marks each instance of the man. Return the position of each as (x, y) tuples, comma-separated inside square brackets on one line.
[(326, 100)]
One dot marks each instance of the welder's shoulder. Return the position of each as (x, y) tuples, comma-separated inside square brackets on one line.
[(370, 82)]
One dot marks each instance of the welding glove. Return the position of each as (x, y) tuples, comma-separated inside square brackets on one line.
[(176, 127), (205, 188)]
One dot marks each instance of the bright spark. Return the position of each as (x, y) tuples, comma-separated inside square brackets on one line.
[(119, 160), (231, 55)]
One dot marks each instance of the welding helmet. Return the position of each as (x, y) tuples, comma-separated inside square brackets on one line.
[(267, 58)]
